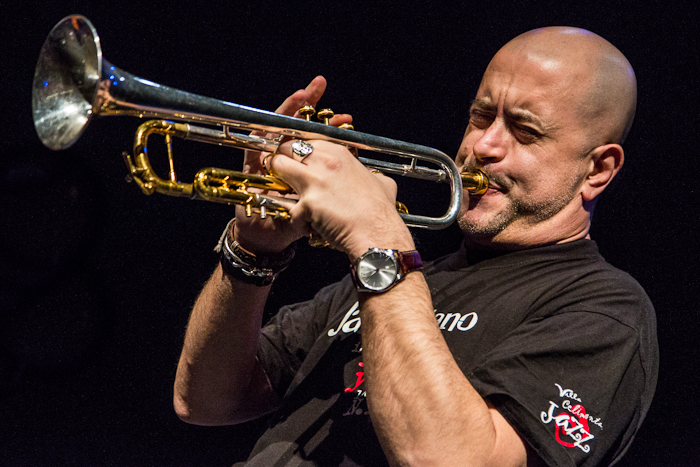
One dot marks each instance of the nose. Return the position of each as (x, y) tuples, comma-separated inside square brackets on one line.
[(491, 146)]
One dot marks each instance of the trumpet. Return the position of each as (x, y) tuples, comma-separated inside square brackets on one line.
[(73, 83)]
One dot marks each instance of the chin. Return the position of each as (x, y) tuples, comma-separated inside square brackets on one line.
[(481, 228), (482, 219)]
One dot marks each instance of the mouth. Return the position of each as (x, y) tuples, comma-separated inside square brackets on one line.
[(492, 189), (494, 194), (496, 184)]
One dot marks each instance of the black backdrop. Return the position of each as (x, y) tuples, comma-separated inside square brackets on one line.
[(97, 279)]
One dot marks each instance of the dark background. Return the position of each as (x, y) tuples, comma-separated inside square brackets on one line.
[(96, 279)]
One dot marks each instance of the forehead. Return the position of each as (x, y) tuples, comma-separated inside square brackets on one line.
[(547, 87)]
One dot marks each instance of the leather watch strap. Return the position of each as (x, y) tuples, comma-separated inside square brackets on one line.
[(410, 261)]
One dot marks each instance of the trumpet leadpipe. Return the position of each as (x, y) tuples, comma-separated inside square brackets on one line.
[(475, 182)]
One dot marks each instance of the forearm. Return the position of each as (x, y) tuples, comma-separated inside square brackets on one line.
[(219, 380), (423, 408)]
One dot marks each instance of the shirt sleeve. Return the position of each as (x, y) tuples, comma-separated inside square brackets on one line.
[(572, 384)]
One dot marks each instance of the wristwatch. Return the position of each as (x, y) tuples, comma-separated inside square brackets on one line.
[(380, 269)]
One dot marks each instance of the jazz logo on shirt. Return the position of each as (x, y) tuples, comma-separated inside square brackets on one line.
[(572, 422)]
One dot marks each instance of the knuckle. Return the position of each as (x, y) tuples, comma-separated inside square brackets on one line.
[(332, 164)]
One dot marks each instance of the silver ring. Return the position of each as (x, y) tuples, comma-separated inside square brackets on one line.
[(302, 148)]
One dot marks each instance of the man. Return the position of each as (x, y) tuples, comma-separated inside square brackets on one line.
[(523, 348)]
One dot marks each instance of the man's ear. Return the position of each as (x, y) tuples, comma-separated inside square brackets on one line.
[(606, 161)]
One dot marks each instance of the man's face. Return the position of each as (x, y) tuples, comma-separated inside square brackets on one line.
[(524, 134)]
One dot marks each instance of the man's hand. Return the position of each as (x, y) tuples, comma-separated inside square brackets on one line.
[(271, 235), (346, 204)]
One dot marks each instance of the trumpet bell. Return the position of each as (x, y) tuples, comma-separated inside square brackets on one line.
[(66, 82)]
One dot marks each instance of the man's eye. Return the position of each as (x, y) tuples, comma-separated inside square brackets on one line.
[(527, 132), (480, 120)]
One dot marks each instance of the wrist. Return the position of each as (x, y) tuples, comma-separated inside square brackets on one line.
[(400, 242), (246, 266), (261, 236), (255, 245)]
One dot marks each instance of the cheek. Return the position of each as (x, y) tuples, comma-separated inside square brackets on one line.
[(528, 178), (466, 147), (545, 184)]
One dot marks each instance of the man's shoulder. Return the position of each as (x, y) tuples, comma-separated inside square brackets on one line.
[(591, 284), (552, 279)]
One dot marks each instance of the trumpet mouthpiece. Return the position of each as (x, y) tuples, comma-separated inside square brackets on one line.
[(475, 182)]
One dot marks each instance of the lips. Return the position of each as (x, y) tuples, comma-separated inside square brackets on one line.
[(494, 188)]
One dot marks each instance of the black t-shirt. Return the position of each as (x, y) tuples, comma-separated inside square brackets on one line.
[(559, 341)]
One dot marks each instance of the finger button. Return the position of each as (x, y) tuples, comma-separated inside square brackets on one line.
[(307, 112), (325, 115)]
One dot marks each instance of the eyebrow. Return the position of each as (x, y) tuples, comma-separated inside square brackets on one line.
[(483, 103)]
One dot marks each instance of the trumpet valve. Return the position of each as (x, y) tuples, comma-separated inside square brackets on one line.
[(307, 112), (325, 115)]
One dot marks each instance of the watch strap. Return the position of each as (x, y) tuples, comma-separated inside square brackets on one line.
[(410, 261)]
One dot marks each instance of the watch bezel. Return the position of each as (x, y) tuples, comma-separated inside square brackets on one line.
[(386, 254)]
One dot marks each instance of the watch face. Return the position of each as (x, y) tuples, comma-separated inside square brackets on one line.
[(377, 271)]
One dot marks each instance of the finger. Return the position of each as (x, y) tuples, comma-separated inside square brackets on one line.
[(289, 107), (305, 149), (300, 221), (389, 184), (288, 204), (315, 90), (293, 103), (340, 119), (292, 171)]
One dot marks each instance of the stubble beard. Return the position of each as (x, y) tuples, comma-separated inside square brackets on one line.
[(529, 212)]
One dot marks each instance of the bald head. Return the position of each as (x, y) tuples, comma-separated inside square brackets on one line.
[(606, 88)]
